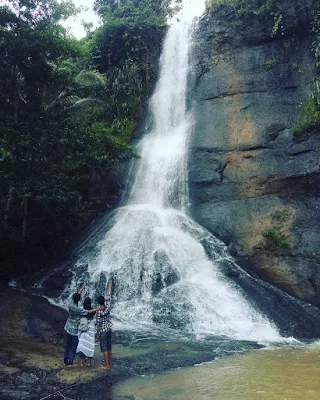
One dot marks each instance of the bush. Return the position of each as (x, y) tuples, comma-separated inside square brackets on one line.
[(275, 237), (246, 7), (309, 119)]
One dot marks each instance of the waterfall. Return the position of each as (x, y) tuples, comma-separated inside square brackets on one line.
[(151, 248)]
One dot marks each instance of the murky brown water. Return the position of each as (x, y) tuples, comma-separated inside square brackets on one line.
[(281, 374)]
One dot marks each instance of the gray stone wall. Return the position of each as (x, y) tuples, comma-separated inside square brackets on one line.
[(253, 181)]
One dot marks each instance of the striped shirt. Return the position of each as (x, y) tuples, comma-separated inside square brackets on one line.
[(103, 317)]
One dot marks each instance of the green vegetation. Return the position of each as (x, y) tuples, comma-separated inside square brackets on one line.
[(277, 24), (296, 67), (247, 7), (309, 118), (278, 233), (214, 4), (270, 63), (68, 112), (270, 10), (275, 238)]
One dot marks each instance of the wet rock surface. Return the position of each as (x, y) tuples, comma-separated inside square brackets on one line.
[(254, 182), (31, 365)]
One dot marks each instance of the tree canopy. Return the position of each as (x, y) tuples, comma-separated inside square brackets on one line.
[(68, 112)]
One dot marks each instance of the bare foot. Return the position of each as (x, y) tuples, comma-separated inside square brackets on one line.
[(72, 366), (106, 367)]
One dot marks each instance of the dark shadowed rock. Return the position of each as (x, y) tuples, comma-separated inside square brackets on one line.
[(232, 274)]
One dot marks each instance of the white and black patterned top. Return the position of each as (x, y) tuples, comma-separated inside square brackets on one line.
[(103, 317)]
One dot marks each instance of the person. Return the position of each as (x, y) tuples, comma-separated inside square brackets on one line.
[(85, 349), (104, 327), (71, 327)]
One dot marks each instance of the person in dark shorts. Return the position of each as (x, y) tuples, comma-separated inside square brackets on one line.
[(103, 322)]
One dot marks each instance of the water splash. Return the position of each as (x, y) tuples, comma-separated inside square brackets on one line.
[(152, 249)]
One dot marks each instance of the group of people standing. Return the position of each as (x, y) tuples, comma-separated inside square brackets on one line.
[(82, 342)]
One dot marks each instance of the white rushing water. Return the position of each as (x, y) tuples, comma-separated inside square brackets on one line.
[(153, 249)]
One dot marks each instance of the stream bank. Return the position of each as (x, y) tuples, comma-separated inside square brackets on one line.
[(31, 365)]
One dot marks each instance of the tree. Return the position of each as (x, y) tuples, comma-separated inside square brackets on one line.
[(31, 40), (68, 112)]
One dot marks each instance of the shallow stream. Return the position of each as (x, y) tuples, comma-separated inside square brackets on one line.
[(265, 374)]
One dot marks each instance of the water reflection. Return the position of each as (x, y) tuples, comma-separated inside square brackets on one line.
[(280, 374)]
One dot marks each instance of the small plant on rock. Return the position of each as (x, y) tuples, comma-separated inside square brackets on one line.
[(309, 119), (274, 237), (296, 67), (270, 63)]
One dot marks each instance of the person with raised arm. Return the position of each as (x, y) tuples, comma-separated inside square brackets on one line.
[(104, 327), (71, 328)]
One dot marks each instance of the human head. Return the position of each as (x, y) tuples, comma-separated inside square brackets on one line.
[(101, 300), (87, 303), (76, 297)]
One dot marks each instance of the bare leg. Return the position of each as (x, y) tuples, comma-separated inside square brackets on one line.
[(107, 360)]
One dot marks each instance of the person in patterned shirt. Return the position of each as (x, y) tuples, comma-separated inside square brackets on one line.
[(103, 322), (71, 328)]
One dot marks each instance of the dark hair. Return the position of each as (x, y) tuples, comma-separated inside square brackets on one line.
[(76, 297), (101, 300), (87, 303), (87, 306)]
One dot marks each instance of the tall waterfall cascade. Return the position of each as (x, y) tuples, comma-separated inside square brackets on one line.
[(151, 248)]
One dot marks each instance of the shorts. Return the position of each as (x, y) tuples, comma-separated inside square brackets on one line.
[(105, 341)]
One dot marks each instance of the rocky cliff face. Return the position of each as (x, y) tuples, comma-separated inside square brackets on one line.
[(253, 182)]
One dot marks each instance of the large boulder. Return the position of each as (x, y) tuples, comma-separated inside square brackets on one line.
[(28, 317)]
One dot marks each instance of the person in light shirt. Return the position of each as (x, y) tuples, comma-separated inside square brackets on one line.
[(71, 331)]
